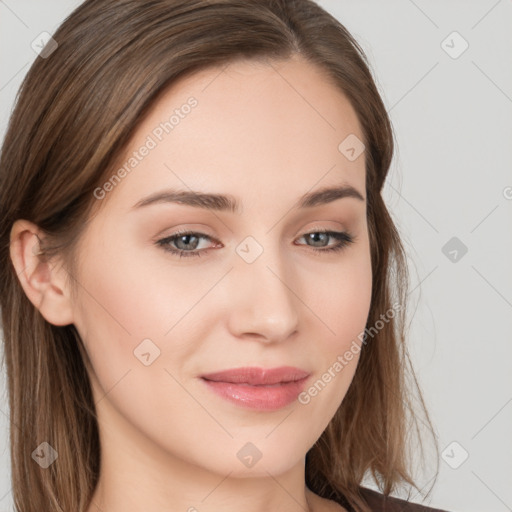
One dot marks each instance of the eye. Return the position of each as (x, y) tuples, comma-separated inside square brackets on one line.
[(321, 236), (184, 240), (185, 243)]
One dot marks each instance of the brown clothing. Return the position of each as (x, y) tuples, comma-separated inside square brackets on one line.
[(380, 503)]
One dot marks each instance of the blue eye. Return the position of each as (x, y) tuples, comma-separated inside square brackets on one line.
[(190, 240), (183, 238), (344, 238)]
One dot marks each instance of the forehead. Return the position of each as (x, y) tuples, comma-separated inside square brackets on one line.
[(245, 127)]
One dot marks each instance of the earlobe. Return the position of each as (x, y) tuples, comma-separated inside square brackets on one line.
[(43, 282)]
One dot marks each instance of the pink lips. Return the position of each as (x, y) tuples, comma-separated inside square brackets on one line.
[(258, 388)]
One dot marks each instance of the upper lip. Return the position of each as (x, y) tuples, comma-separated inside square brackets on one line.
[(258, 376)]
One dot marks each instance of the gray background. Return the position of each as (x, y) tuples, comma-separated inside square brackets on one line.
[(451, 177)]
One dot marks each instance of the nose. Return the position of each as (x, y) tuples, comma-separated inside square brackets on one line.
[(263, 303)]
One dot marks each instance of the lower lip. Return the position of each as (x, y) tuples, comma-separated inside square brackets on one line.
[(263, 398)]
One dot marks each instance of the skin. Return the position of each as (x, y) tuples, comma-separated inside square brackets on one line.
[(265, 133)]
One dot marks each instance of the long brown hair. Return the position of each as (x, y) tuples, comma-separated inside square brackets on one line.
[(76, 110)]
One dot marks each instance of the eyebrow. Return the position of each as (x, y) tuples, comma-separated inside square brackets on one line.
[(221, 202)]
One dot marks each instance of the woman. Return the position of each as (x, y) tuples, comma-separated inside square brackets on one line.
[(203, 293)]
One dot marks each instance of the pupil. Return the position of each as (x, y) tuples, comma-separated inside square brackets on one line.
[(315, 236), (185, 240)]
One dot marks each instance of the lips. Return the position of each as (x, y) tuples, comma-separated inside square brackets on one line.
[(258, 388), (254, 376)]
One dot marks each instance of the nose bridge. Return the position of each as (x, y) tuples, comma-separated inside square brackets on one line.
[(264, 302)]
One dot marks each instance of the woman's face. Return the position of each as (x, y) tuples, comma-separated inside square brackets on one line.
[(252, 286)]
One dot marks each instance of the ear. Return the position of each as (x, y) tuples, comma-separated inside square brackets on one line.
[(44, 282)]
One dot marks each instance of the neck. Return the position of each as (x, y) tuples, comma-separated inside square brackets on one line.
[(137, 474)]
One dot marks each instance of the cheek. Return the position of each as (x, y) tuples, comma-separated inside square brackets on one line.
[(116, 311), (128, 295), (341, 297), (131, 312), (343, 309)]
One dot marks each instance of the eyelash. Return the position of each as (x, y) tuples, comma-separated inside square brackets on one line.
[(344, 238)]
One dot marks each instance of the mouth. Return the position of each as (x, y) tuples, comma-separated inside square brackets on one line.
[(258, 388)]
